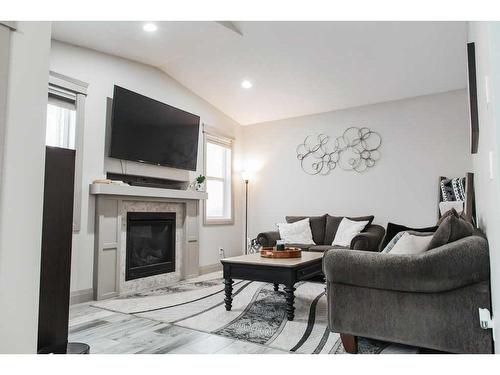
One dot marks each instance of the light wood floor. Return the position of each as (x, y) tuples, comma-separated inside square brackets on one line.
[(110, 332)]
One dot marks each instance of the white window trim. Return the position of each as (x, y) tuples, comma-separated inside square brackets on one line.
[(61, 85), (226, 142)]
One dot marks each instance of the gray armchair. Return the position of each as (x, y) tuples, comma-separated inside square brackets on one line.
[(428, 300)]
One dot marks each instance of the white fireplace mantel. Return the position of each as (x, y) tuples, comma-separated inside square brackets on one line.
[(139, 191), (112, 203)]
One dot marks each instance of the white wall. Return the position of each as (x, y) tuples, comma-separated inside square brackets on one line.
[(101, 72), (486, 36), (21, 187), (422, 138)]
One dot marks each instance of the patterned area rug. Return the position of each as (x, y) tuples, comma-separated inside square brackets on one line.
[(258, 314)]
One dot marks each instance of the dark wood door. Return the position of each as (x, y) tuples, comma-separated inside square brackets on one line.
[(57, 234)]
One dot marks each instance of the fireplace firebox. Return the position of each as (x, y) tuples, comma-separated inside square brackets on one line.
[(150, 244)]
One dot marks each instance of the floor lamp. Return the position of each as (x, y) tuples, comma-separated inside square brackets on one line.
[(246, 176)]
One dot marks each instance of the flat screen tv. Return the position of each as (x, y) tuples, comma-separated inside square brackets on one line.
[(148, 131)]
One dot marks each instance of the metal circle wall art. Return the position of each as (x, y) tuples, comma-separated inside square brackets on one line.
[(356, 150)]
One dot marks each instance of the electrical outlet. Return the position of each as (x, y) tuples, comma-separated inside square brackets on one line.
[(221, 253), (486, 321)]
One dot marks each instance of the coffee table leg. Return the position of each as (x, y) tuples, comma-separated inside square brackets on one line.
[(276, 287), (290, 298), (228, 290)]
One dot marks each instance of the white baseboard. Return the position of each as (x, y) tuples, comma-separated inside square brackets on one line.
[(80, 296), (210, 268)]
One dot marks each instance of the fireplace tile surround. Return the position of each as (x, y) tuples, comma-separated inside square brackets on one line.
[(112, 205), (156, 281)]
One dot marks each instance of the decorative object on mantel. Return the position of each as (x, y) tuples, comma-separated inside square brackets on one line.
[(197, 184), (107, 181), (356, 150)]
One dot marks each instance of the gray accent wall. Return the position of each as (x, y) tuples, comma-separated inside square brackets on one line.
[(422, 138)]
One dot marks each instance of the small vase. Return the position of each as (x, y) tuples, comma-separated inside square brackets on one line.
[(199, 187)]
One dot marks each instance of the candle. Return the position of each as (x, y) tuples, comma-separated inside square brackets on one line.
[(280, 245)]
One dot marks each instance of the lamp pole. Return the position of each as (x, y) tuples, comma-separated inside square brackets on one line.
[(246, 216)]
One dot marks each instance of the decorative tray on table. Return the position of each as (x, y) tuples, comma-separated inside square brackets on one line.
[(289, 252)]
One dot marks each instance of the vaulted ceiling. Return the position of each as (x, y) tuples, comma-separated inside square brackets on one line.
[(296, 68)]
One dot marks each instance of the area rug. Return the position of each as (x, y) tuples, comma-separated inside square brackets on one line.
[(258, 314)]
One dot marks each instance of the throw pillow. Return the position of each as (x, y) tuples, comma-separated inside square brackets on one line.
[(392, 242), (393, 229), (448, 213), (452, 212), (453, 189), (317, 224), (347, 230), (296, 233), (333, 222), (451, 229), (444, 207), (411, 243)]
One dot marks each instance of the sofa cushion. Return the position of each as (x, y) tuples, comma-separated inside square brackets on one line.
[(317, 226), (451, 229), (333, 222), (393, 229), (323, 248)]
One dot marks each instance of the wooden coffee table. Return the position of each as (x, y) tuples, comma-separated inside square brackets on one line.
[(277, 271)]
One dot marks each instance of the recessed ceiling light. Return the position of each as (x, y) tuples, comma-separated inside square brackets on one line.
[(149, 27), (246, 84)]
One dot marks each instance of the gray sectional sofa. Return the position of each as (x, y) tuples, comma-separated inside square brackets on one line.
[(323, 230), (428, 300)]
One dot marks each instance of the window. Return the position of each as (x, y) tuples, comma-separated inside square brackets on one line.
[(61, 123), (218, 170), (65, 120)]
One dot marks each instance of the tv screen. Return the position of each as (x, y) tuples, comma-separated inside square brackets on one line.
[(148, 131)]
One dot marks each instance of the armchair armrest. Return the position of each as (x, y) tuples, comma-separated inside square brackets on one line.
[(447, 267), (369, 240), (268, 238)]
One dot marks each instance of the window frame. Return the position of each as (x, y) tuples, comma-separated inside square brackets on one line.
[(214, 138), (69, 88)]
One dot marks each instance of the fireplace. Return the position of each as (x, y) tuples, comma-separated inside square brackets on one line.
[(150, 244)]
